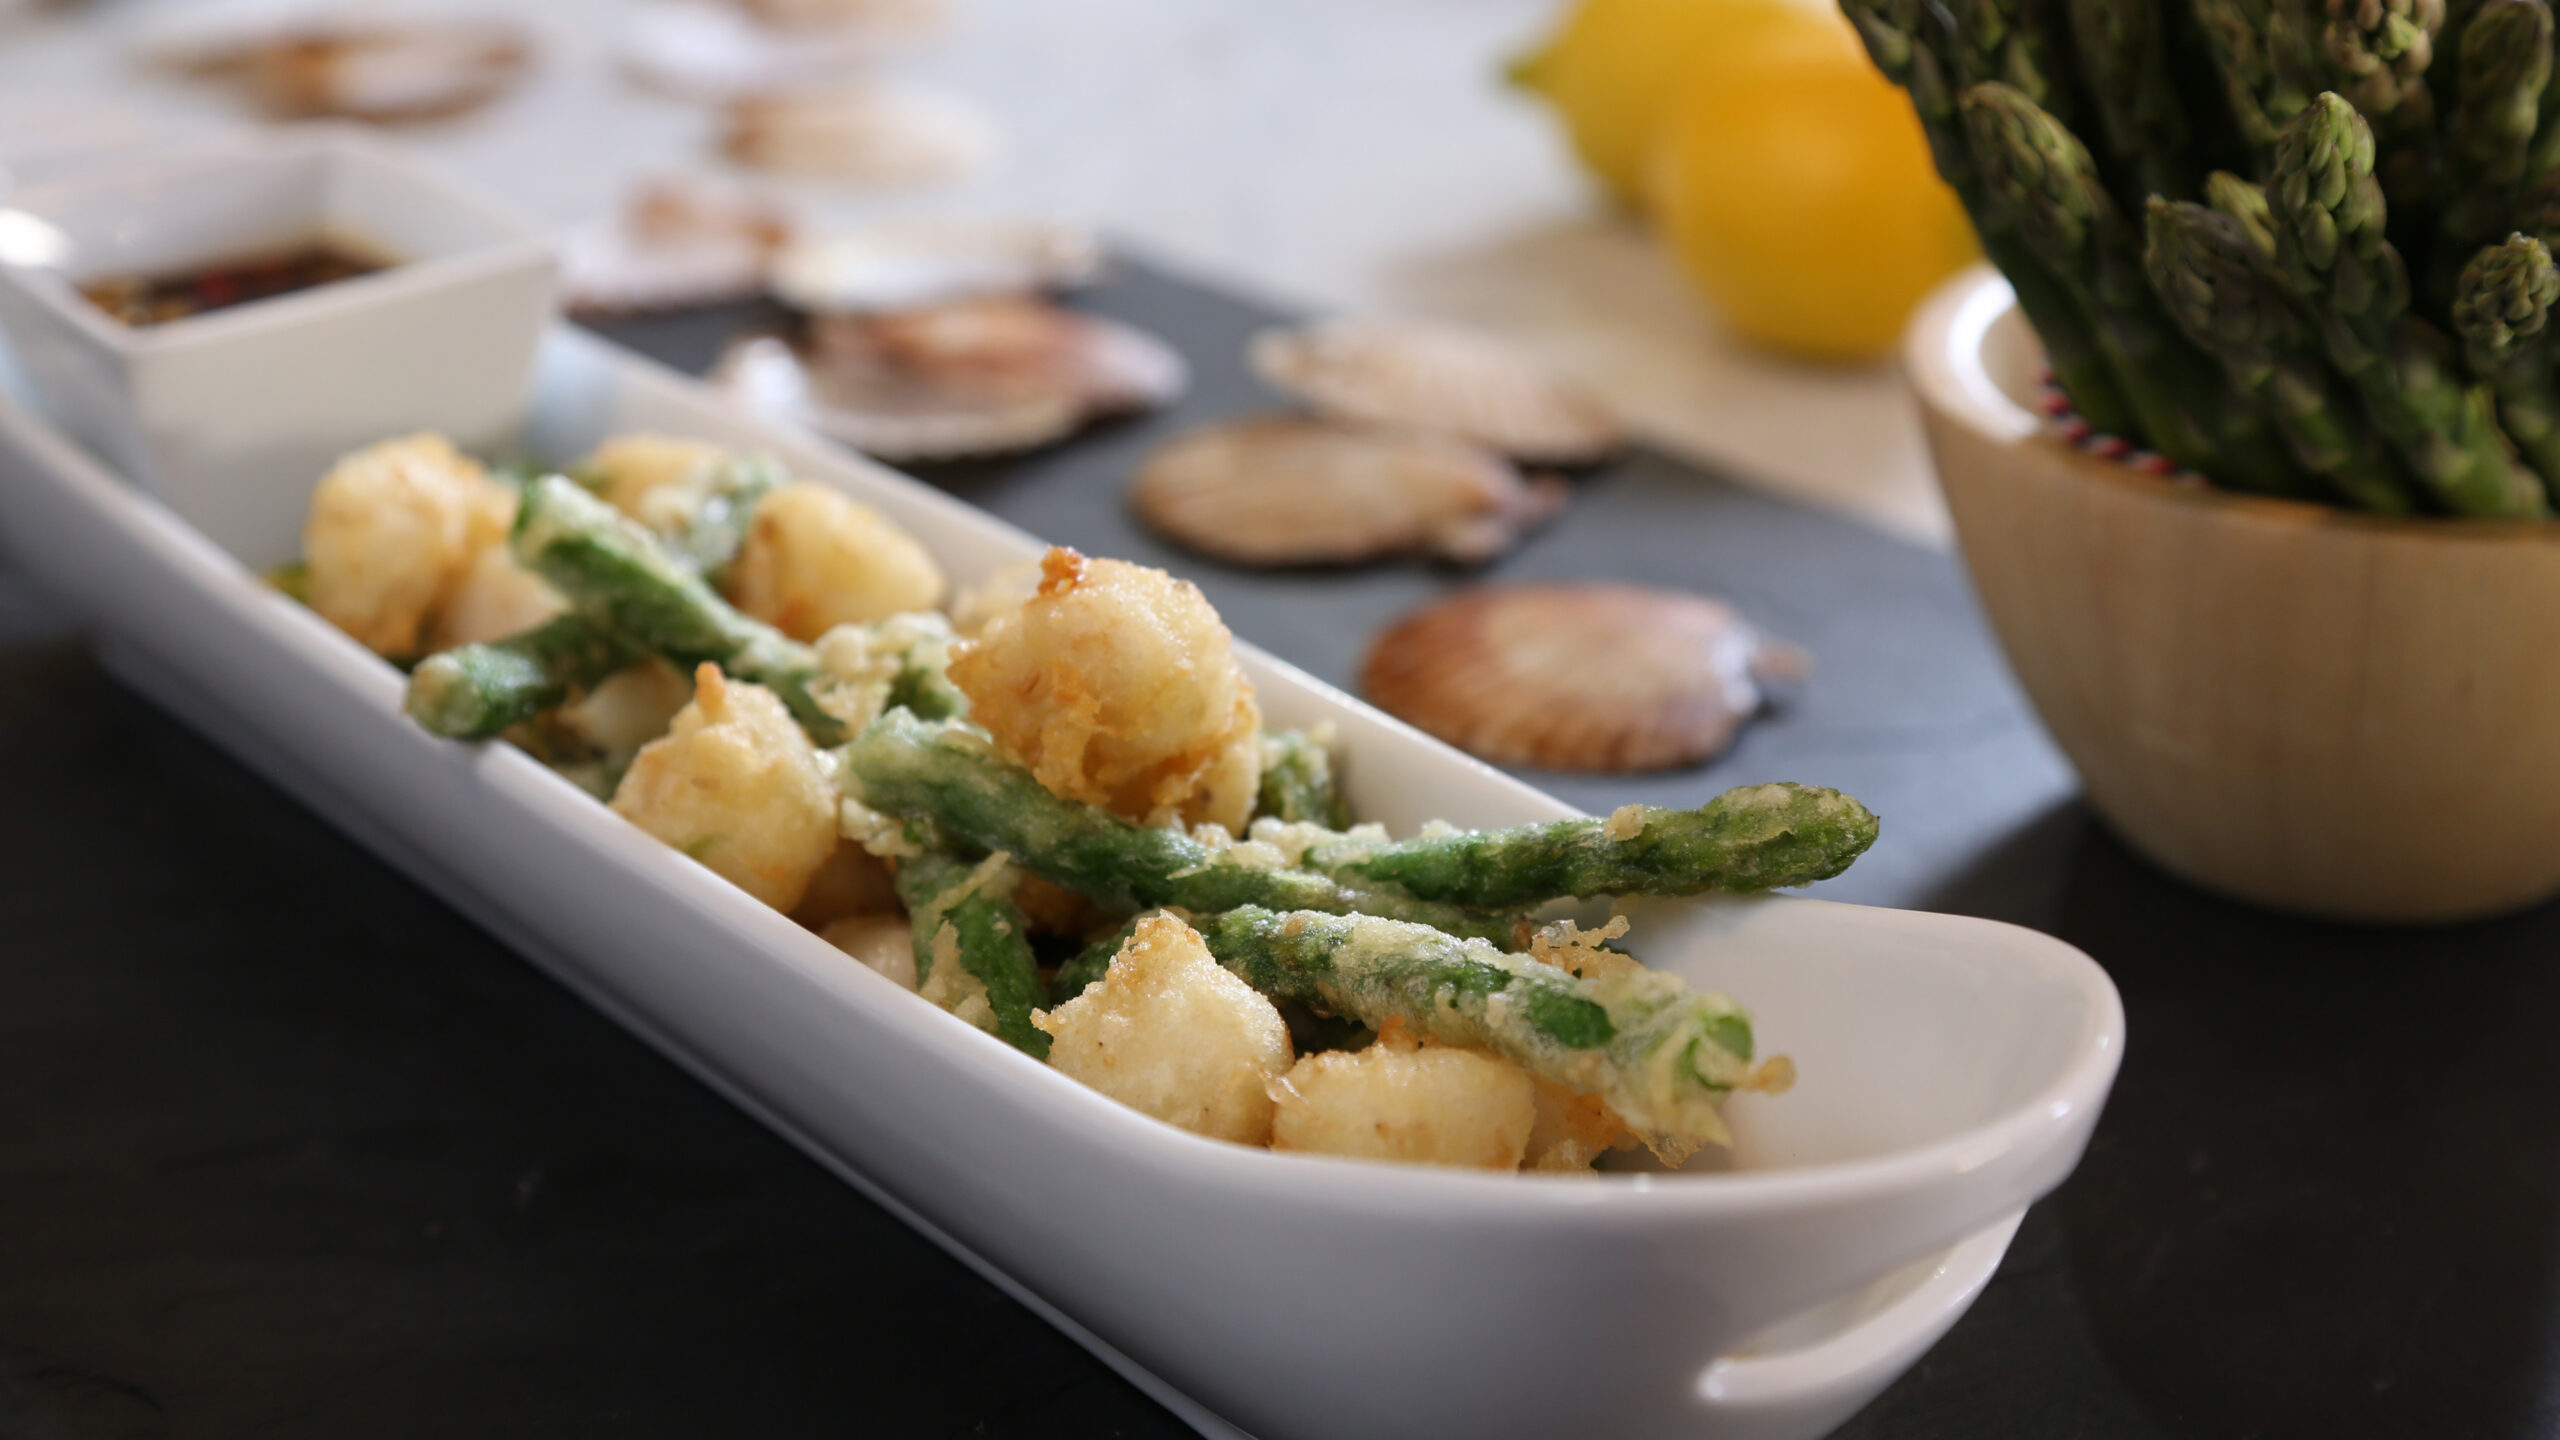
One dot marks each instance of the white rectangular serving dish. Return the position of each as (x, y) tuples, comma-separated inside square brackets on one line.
[(204, 409), (1951, 1068)]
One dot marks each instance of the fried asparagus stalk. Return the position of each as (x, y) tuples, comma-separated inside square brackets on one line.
[(2329, 215), (2502, 309), (474, 691), (1662, 1055), (2489, 134), (2044, 176), (947, 772), (615, 573), (1090, 963), (2221, 289), (1752, 838), (973, 947), (1896, 34), (1297, 782)]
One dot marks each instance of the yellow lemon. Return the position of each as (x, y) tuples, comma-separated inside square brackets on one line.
[(1795, 187), (1614, 64)]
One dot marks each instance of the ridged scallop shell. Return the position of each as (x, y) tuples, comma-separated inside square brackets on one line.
[(680, 242), (702, 51), (860, 133), (1576, 677), (1444, 378), (300, 64), (1289, 490), (976, 377), (925, 260)]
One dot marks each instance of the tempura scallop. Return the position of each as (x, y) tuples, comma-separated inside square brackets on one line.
[(1402, 1100), (392, 530), (736, 785), (814, 559), (1169, 1032), (1117, 685)]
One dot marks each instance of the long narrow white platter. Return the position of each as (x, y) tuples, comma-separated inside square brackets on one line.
[(1951, 1068)]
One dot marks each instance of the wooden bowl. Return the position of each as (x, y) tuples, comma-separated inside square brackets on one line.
[(2324, 712)]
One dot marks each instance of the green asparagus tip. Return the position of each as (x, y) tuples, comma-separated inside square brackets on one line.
[(2033, 166), (442, 698), (2206, 268), (2245, 203), (2505, 294)]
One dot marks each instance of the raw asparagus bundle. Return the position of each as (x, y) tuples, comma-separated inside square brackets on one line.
[(2364, 158)]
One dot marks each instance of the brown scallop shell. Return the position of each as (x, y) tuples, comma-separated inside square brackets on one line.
[(904, 262), (358, 68), (681, 241), (1289, 490), (1576, 677), (1431, 376), (975, 377), (861, 133)]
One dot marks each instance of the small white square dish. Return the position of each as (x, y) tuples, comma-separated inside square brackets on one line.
[(1950, 1069), (226, 414)]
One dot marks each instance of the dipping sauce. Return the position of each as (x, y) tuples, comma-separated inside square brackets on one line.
[(225, 283)]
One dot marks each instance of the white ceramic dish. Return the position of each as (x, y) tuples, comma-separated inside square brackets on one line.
[(1951, 1068), (211, 410)]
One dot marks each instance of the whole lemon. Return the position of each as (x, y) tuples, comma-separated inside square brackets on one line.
[(1614, 65), (1794, 185)]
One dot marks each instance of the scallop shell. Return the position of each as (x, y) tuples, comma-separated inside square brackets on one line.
[(1436, 377), (1576, 677), (702, 51), (310, 64), (976, 377), (865, 133), (926, 260), (680, 242), (1288, 490)]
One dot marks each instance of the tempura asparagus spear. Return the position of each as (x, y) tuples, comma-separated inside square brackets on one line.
[(614, 572), (1896, 34), (1297, 782), (965, 918), (2329, 215), (1089, 964), (2221, 289), (1755, 837), (1662, 1055), (2043, 174), (2502, 309), (474, 691), (947, 773)]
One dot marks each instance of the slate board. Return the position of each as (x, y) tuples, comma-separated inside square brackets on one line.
[(286, 1148)]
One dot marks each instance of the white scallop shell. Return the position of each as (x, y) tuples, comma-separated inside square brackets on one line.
[(861, 133), (901, 263), (982, 377), (1290, 490), (385, 63), (680, 242), (703, 51), (1439, 377)]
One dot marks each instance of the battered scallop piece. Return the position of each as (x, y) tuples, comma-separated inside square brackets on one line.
[(1168, 1031), (736, 785), (814, 559), (885, 942), (495, 598), (629, 709), (1397, 1100), (1117, 685), (392, 530), (655, 479)]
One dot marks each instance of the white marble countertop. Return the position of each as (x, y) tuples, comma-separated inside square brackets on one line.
[(1327, 154)]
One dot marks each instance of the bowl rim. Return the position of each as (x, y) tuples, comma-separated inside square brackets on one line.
[(1943, 354)]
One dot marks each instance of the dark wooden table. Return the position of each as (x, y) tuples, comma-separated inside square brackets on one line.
[(288, 1149)]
